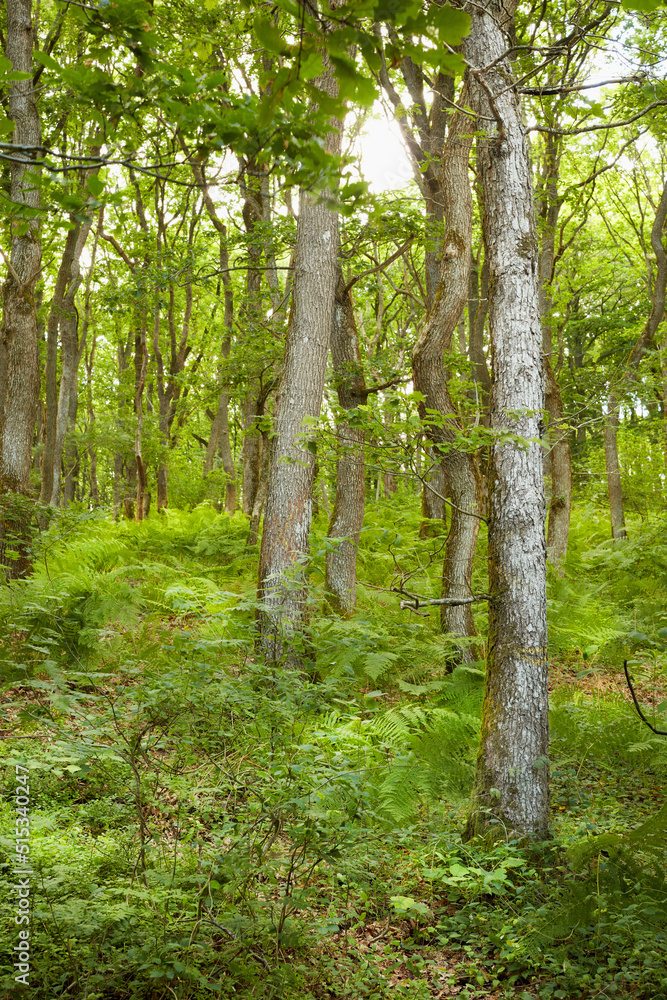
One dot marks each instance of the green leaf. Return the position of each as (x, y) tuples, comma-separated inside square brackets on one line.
[(452, 25), (642, 6), (268, 35)]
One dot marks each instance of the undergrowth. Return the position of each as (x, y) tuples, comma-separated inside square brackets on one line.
[(202, 826)]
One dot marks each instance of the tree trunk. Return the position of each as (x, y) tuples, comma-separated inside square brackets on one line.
[(68, 350), (644, 343), (428, 366), (560, 459), (511, 787), (260, 496), (434, 491), (220, 439), (285, 538), (348, 513), (19, 347)]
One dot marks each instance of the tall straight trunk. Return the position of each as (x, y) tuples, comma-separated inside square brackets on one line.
[(123, 355), (511, 787), (219, 439), (140, 369), (68, 374), (71, 455), (51, 370), (285, 538), (560, 503), (428, 366), (260, 495), (71, 353), (19, 346), (644, 344), (348, 512), (92, 450)]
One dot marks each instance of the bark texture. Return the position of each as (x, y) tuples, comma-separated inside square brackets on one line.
[(644, 343), (428, 366), (348, 513), (19, 348), (285, 538), (511, 785)]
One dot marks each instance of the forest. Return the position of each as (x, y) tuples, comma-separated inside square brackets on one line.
[(333, 499)]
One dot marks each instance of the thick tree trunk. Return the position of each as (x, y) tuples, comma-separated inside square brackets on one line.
[(348, 513), (19, 347), (644, 343), (511, 785), (285, 538), (428, 366)]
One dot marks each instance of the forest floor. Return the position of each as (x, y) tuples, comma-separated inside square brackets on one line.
[(200, 826)]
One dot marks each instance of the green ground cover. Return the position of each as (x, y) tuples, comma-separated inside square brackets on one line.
[(201, 826)]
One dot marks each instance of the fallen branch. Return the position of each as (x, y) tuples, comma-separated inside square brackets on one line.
[(658, 732), (414, 603)]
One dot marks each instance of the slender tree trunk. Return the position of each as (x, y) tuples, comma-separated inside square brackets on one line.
[(19, 347), (260, 496), (71, 455), (560, 459), (428, 366), (348, 513), (511, 785), (220, 438), (51, 370), (285, 538), (434, 491), (140, 369), (92, 450), (644, 343)]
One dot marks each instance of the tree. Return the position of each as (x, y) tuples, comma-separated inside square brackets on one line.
[(512, 774), (281, 586), (19, 355)]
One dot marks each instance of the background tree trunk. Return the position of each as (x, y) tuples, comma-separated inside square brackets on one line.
[(428, 366), (348, 513), (512, 775), (644, 343)]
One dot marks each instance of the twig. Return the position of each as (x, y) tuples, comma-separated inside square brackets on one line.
[(380, 267)]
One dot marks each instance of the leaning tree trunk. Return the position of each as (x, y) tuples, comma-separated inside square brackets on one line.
[(511, 785), (19, 348), (285, 538), (644, 343), (428, 366), (348, 513)]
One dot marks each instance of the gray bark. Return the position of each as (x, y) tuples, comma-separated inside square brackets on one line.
[(348, 513), (428, 365), (19, 347), (285, 538), (511, 785)]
